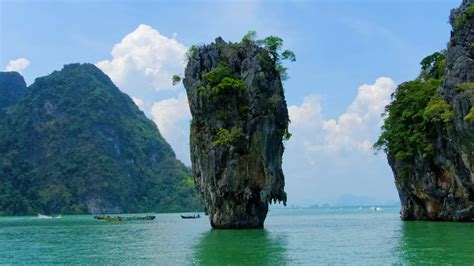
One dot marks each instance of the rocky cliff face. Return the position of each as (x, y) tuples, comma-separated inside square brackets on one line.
[(12, 87), (239, 119), (75, 143), (441, 186)]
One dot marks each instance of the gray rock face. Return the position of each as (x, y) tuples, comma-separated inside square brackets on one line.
[(443, 189), (239, 119), (12, 87)]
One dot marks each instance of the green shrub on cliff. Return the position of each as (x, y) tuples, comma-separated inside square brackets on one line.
[(433, 66), (286, 135), (224, 136), (438, 110), (466, 15), (470, 116), (416, 114), (175, 79), (191, 51), (215, 76), (465, 87), (227, 84), (250, 36), (273, 45), (222, 81)]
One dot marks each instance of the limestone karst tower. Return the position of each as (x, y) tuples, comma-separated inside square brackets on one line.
[(239, 120)]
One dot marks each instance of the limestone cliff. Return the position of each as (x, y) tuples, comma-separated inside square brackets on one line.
[(239, 119), (432, 156)]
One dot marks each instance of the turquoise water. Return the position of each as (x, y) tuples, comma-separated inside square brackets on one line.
[(291, 236)]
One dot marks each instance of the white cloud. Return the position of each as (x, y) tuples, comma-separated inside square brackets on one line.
[(17, 65), (324, 159), (172, 117), (142, 65), (144, 60), (336, 154), (353, 130), (323, 154)]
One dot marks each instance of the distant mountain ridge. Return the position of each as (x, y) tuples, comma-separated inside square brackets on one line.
[(74, 143)]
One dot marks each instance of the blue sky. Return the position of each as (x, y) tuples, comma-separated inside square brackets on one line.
[(339, 46)]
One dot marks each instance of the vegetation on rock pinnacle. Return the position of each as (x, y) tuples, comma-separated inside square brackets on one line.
[(239, 121), (417, 113)]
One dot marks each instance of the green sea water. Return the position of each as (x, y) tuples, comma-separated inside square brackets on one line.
[(291, 237)]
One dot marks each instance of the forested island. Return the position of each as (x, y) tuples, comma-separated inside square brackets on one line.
[(73, 143), (428, 133)]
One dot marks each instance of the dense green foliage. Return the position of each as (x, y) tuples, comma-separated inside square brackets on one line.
[(470, 116), (466, 87), (76, 144), (226, 90), (222, 81), (465, 16), (433, 66), (286, 134), (12, 87), (193, 49), (228, 93), (250, 36), (417, 114), (273, 46), (175, 79), (225, 136)]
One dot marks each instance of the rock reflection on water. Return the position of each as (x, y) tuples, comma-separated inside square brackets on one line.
[(437, 243), (240, 247)]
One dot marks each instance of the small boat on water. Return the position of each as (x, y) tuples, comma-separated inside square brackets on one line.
[(376, 209), (190, 216), (109, 218), (100, 217), (42, 216), (113, 219)]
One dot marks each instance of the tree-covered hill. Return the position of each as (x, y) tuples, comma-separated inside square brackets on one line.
[(12, 87), (75, 143)]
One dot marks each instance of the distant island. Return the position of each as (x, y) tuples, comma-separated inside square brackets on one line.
[(73, 143)]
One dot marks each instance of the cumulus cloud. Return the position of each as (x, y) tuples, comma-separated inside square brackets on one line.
[(145, 59), (17, 65), (172, 117), (353, 130), (336, 153), (142, 65), (325, 158)]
